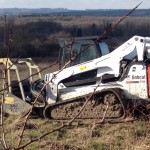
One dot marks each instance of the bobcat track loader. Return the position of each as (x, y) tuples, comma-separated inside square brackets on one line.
[(117, 81)]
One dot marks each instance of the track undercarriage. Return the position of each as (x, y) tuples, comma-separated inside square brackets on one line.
[(109, 103)]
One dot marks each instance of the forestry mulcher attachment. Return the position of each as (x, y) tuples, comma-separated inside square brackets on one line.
[(115, 83), (18, 90)]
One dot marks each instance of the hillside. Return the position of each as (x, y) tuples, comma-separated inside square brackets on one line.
[(37, 36)]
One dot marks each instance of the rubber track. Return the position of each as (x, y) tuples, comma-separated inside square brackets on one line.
[(118, 92)]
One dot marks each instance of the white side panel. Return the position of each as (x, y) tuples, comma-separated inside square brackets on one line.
[(136, 82), (83, 91)]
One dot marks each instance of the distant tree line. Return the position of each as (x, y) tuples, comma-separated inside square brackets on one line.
[(66, 12), (39, 39)]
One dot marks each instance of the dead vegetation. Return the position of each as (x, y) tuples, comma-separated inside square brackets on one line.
[(131, 135)]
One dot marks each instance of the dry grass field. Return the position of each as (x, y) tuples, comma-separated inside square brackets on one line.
[(125, 136)]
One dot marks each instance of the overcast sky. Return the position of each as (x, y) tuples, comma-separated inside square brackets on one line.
[(75, 4)]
